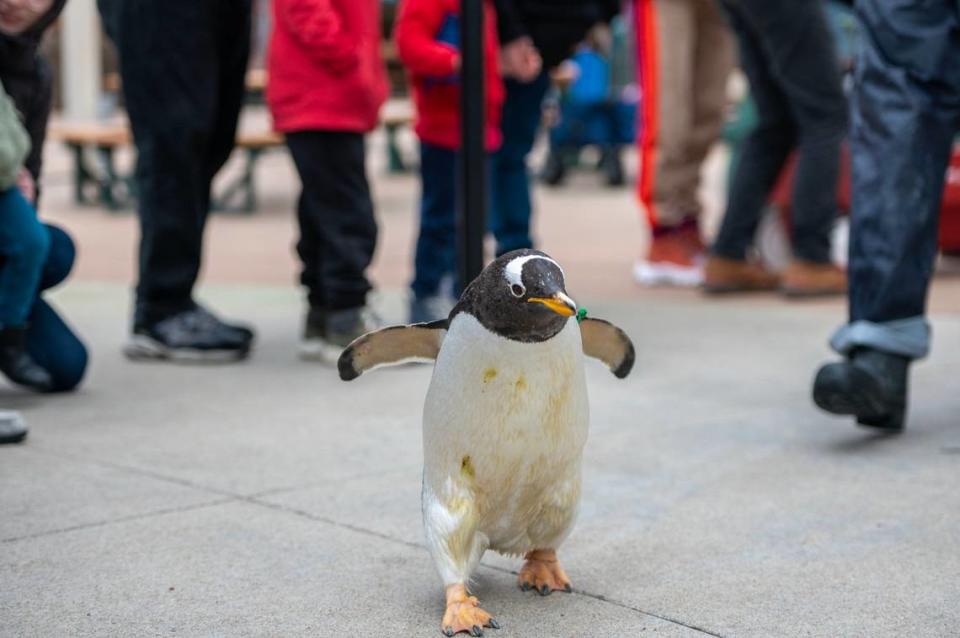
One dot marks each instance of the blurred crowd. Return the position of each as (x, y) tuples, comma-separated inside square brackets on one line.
[(655, 73)]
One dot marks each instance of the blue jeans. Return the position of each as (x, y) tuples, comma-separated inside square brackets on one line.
[(905, 112), (50, 341), (436, 253), (511, 207), (23, 245)]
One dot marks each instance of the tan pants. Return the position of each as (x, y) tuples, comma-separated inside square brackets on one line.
[(685, 55)]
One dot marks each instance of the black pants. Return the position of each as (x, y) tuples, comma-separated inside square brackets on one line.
[(182, 64), (787, 54), (338, 232)]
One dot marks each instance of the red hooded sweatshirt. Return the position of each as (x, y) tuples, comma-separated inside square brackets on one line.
[(325, 67), (427, 36)]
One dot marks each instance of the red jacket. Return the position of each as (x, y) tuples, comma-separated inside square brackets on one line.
[(430, 62), (325, 67)]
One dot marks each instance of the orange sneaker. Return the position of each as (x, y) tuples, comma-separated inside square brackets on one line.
[(722, 275), (675, 259)]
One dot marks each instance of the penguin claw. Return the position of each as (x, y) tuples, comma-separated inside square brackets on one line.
[(448, 631), (476, 631), (543, 574), (493, 623)]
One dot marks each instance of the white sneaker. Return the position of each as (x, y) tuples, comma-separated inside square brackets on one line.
[(664, 273), (13, 428)]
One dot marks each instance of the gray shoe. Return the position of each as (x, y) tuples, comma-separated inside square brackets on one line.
[(327, 333), (13, 428)]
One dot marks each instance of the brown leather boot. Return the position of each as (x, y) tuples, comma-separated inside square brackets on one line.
[(722, 275), (811, 279)]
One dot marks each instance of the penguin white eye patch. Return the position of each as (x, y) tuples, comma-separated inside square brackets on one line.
[(513, 271)]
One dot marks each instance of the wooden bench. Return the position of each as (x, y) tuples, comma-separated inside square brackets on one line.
[(104, 185)]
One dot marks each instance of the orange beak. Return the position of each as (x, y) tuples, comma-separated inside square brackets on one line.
[(559, 303)]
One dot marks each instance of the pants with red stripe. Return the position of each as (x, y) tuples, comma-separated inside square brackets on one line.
[(685, 54)]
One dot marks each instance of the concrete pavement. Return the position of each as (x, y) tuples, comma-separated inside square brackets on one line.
[(271, 499)]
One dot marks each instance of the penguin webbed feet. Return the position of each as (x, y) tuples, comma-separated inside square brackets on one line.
[(464, 615), (542, 573)]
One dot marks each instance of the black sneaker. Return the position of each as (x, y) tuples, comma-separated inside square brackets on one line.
[(193, 335), (327, 333), (17, 364), (242, 331), (13, 429), (870, 385)]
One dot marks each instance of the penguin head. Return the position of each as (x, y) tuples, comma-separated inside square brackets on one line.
[(521, 296)]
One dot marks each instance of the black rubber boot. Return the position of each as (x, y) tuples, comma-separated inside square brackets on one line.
[(870, 385), (17, 364)]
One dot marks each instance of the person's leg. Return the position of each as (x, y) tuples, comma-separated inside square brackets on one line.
[(338, 232), (435, 255), (511, 204), (665, 45), (763, 152), (904, 115), (804, 63), (24, 244), (50, 341), (169, 64), (713, 60), (233, 50)]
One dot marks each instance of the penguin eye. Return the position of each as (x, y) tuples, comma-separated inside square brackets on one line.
[(518, 290)]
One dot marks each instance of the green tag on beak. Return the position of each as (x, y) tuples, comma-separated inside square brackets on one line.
[(581, 315)]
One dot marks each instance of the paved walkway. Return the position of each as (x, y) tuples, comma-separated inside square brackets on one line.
[(271, 499)]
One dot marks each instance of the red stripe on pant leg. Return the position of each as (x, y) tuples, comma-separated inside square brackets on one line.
[(647, 50)]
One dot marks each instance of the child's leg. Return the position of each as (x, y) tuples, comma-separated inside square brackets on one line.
[(50, 341), (24, 243), (436, 242), (338, 232)]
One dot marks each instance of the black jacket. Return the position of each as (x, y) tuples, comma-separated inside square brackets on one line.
[(27, 77), (556, 26)]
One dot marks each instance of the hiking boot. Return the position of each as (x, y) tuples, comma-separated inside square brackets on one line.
[(812, 279), (327, 332), (722, 275), (191, 336), (869, 385), (17, 364), (13, 428), (675, 258)]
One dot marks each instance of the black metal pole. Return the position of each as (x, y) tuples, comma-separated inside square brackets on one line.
[(472, 189)]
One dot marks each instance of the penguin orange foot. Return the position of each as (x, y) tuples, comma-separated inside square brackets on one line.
[(463, 613), (542, 572)]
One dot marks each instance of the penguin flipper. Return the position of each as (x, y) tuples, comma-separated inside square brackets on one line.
[(603, 340), (395, 344)]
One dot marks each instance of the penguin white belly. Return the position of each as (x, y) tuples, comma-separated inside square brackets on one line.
[(504, 424)]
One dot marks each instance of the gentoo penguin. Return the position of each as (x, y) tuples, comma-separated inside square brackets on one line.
[(504, 423)]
